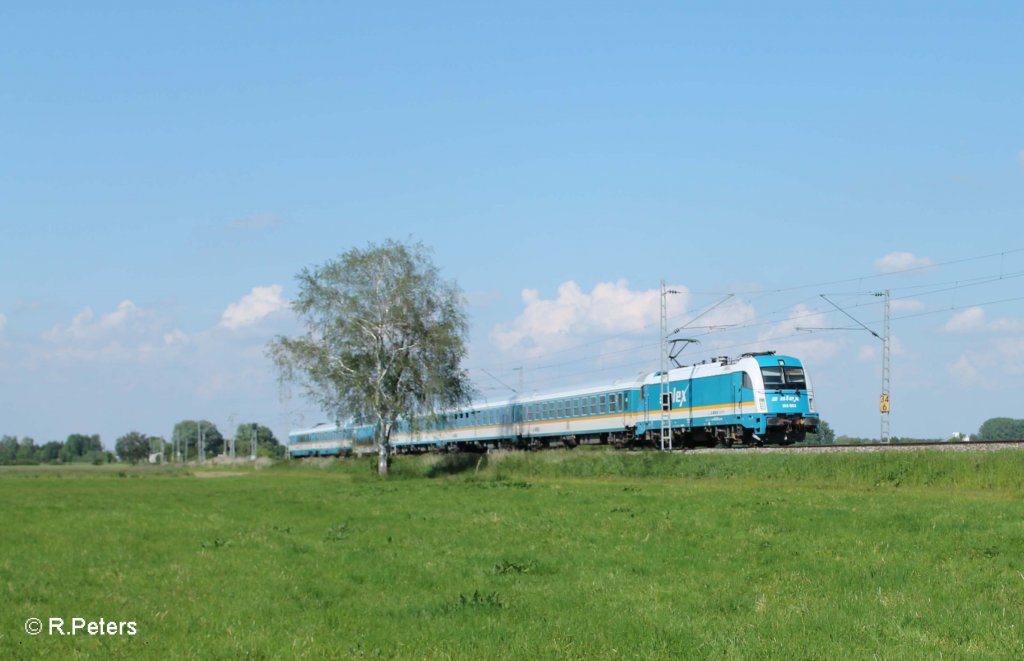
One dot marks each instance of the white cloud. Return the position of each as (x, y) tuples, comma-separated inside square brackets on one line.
[(254, 306), (129, 333), (974, 320), (547, 325), (901, 261), (908, 306), (1011, 355), (971, 319), (964, 371), (1007, 325), (783, 337)]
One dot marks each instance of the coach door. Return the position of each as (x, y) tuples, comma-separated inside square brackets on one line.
[(644, 412)]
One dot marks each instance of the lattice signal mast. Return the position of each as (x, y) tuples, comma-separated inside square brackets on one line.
[(666, 397), (884, 405)]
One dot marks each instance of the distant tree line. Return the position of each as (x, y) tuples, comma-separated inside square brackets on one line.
[(993, 429), (78, 448), (135, 447)]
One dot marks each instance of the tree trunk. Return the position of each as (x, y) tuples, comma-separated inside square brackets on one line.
[(383, 449), (382, 460)]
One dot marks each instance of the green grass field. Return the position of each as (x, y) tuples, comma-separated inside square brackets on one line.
[(586, 555)]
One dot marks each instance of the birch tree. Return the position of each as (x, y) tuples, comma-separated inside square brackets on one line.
[(384, 340)]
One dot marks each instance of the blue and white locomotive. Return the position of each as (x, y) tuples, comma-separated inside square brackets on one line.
[(756, 399)]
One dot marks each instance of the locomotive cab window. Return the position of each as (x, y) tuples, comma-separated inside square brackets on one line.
[(790, 378), (795, 377)]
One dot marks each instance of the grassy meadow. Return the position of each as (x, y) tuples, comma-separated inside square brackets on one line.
[(582, 555)]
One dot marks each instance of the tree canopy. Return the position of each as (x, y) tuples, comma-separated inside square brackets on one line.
[(82, 447), (824, 436), (1001, 429), (133, 447), (385, 338)]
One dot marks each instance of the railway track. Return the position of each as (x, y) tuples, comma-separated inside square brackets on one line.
[(955, 446)]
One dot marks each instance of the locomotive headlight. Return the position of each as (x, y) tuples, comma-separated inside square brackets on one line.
[(810, 404), (762, 404)]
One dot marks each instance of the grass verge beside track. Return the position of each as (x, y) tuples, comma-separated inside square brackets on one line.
[(548, 555)]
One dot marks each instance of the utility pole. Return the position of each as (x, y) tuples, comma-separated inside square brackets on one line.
[(665, 398), (199, 442), (883, 401), (252, 443)]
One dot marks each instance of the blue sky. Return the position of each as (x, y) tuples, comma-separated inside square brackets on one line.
[(165, 173)]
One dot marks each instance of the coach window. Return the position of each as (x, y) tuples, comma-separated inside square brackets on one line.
[(613, 403), (559, 409), (593, 405), (600, 404)]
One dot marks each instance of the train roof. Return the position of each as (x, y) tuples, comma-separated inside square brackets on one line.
[(725, 365), (320, 426), (621, 384)]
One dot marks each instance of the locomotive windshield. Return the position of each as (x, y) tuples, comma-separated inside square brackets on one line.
[(790, 378)]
